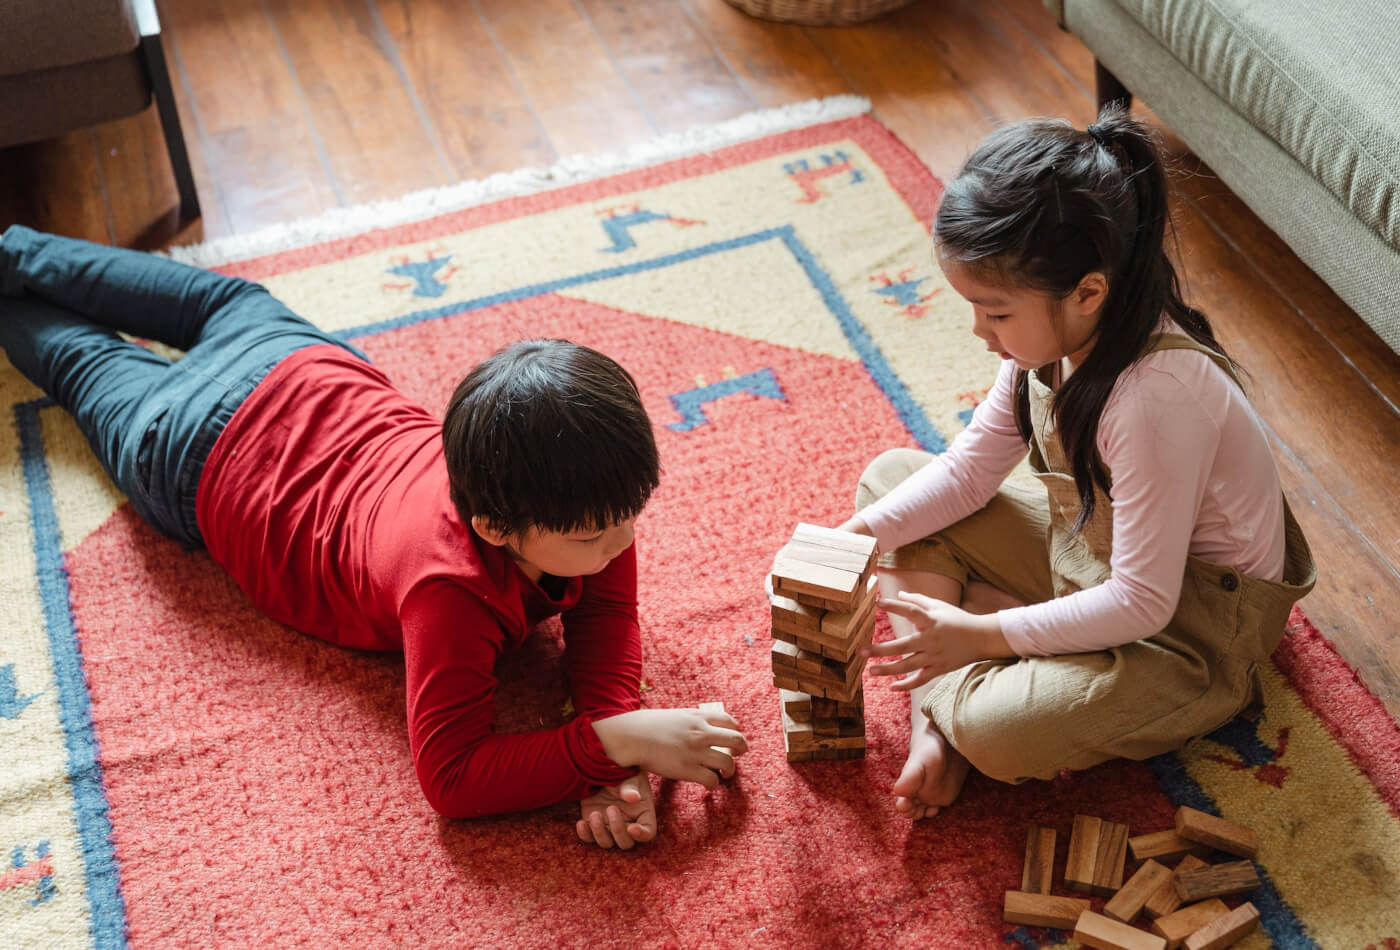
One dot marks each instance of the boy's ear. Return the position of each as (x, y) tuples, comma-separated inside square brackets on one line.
[(488, 532), (1091, 293)]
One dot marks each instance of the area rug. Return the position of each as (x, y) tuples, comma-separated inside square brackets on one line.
[(180, 772)]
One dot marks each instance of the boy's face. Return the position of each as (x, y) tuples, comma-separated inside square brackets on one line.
[(570, 554)]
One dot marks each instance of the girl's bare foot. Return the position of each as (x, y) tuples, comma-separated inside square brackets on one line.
[(933, 774)]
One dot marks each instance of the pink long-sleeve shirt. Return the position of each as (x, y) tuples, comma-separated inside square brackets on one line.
[(1192, 473)]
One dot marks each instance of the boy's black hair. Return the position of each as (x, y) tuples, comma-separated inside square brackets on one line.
[(549, 434), (1040, 204)]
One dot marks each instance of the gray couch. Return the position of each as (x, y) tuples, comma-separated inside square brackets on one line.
[(1295, 104)]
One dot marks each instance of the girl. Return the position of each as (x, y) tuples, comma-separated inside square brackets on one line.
[(1123, 609)]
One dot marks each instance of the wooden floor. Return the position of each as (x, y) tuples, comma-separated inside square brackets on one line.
[(291, 107)]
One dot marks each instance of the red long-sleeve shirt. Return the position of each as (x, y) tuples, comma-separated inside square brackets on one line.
[(326, 499)]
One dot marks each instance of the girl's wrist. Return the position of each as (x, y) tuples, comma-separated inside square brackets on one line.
[(991, 640)]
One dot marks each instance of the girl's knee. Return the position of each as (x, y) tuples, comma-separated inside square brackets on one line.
[(888, 469)]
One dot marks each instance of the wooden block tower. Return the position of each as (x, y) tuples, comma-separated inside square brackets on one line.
[(823, 606)]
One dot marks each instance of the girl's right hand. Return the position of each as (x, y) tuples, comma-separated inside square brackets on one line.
[(674, 743)]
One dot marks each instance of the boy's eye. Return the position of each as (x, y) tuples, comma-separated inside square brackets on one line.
[(997, 316)]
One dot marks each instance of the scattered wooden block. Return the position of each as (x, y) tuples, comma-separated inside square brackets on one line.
[(1165, 846), (1180, 924), (1083, 853), (1166, 899), (711, 709), (1103, 933), (1128, 902), (1227, 836), (1225, 931), (1042, 909), (1037, 873), (1216, 880), (1112, 856)]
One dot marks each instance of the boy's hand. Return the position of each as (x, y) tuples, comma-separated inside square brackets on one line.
[(621, 815), (674, 743), (944, 638)]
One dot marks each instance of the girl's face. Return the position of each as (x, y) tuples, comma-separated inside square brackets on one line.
[(1027, 326), (570, 554)]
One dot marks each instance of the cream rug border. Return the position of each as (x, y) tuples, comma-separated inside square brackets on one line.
[(343, 222)]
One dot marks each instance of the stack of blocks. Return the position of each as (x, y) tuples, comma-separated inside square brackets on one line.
[(823, 607), (1183, 903)]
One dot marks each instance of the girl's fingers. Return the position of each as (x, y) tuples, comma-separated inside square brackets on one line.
[(901, 608), (703, 776), (895, 667), (896, 647), (630, 793), (581, 829)]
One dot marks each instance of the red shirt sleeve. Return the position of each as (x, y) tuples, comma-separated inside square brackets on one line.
[(451, 642), (603, 642)]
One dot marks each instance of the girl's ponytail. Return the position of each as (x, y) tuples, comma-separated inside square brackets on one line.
[(1041, 204)]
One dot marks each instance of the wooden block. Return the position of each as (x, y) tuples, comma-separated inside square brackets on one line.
[(850, 726), (787, 682), (797, 705), (1216, 880), (799, 737), (1180, 924), (852, 753), (711, 709), (1083, 853), (1165, 846), (1113, 854), (1037, 873), (784, 657), (839, 558), (842, 624), (795, 614), (1166, 899), (803, 582), (1103, 933), (1128, 902), (1042, 909), (1225, 931), (1225, 835), (862, 544)]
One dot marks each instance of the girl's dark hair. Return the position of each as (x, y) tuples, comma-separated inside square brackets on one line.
[(1040, 204), (549, 434)]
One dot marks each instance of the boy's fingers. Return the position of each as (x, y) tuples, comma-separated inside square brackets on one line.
[(730, 739), (617, 827), (641, 831), (599, 827), (703, 776), (630, 793)]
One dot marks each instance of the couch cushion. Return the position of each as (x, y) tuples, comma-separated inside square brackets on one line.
[(56, 101), (1321, 79), (46, 34)]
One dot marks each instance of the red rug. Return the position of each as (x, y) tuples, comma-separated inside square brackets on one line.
[(182, 772)]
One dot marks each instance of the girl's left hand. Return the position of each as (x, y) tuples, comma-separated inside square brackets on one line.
[(944, 638)]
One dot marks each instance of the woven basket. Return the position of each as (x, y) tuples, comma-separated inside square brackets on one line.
[(817, 12)]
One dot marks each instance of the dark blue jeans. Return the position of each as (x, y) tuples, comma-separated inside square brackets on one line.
[(151, 422)]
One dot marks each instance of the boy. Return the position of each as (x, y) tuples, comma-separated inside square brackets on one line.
[(350, 513)]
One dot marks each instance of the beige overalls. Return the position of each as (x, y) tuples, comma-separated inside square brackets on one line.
[(1030, 718)]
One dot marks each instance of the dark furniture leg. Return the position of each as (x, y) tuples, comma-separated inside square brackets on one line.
[(164, 94), (1108, 89)]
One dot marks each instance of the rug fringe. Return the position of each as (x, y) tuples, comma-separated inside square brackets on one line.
[(341, 222)]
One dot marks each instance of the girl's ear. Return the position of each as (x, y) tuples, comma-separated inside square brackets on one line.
[(488, 532), (1089, 296)]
